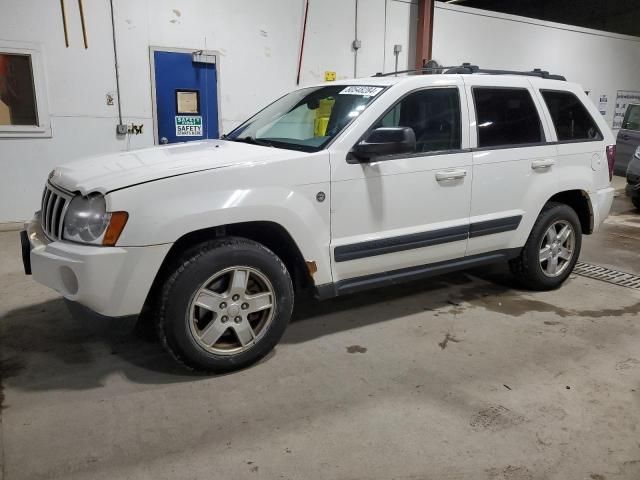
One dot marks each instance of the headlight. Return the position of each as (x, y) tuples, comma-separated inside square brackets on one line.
[(86, 219)]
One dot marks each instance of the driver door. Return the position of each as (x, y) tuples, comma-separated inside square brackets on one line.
[(400, 212)]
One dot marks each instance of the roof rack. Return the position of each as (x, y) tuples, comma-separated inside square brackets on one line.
[(467, 68)]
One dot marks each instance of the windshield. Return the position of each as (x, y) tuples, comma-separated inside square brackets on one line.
[(306, 119)]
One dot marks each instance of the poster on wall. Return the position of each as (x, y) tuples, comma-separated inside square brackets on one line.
[(624, 98), (188, 126), (602, 105)]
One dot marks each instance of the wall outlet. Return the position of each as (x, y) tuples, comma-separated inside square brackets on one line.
[(122, 129)]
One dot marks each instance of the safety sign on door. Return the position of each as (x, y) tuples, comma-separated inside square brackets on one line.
[(188, 126)]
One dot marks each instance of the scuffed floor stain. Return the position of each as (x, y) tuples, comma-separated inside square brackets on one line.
[(9, 367), (496, 298), (356, 349), (448, 338), (495, 418), (628, 364), (510, 472)]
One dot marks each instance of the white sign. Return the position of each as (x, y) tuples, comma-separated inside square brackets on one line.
[(602, 105), (362, 90), (623, 99), (188, 126)]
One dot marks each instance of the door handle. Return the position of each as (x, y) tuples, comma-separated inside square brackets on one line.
[(542, 164), (625, 137), (450, 175)]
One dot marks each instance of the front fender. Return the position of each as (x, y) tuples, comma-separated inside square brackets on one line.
[(163, 211)]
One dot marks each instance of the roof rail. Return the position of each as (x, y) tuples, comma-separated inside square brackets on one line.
[(467, 68)]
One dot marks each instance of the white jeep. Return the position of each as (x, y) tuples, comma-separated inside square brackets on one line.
[(331, 189)]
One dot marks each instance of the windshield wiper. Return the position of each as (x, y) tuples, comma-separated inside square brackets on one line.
[(252, 140)]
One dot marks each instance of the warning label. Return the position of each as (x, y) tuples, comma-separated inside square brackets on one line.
[(188, 126)]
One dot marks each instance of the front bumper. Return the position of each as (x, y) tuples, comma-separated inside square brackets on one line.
[(112, 281), (601, 201)]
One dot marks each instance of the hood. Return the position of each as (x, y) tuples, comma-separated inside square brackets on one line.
[(105, 173)]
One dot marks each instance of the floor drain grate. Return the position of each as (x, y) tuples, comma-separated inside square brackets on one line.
[(607, 275)]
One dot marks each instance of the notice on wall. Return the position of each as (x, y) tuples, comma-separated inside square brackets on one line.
[(188, 126), (602, 105), (623, 99)]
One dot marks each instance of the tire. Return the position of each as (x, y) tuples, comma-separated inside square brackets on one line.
[(244, 277), (636, 202), (529, 269)]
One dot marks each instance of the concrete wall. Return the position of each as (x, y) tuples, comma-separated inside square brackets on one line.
[(259, 43), (602, 63)]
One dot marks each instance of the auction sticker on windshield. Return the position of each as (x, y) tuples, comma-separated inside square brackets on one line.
[(363, 90), (188, 126)]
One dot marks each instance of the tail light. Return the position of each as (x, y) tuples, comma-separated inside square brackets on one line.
[(611, 159)]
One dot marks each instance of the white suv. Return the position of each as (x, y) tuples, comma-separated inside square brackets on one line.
[(331, 189)]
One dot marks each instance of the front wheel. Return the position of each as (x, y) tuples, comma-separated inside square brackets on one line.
[(225, 306), (552, 249)]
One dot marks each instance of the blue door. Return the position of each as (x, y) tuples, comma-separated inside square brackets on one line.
[(186, 98)]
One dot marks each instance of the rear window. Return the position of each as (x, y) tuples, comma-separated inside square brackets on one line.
[(570, 118), (632, 118), (506, 116)]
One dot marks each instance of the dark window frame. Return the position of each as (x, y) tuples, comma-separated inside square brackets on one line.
[(543, 137), (188, 90), (352, 160), (579, 140), (627, 114)]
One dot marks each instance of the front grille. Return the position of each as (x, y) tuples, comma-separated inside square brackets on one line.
[(53, 210)]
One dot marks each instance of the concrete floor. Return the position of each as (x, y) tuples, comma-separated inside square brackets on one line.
[(461, 377)]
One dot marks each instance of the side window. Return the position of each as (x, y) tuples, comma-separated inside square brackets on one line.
[(506, 116), (570, 117), (632, 118), (434, 116)]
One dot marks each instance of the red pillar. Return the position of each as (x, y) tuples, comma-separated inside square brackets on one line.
[(425, 32)]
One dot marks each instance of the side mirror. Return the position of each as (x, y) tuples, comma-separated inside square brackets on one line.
[(386, 141)]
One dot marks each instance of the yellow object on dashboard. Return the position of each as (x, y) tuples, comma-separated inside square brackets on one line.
[(323, 114)]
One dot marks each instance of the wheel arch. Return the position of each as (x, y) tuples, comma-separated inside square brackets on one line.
[(579, 201), (270, 234)]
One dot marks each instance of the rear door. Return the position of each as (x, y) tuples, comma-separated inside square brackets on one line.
[(628, 138), (514, 169)]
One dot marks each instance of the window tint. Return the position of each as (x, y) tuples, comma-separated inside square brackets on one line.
[(434, 116), (570, 117), (632, 118), (506, 116)]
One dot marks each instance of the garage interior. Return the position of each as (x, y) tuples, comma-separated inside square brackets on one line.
[(464, 376)]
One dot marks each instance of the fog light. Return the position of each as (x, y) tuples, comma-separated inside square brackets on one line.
[(69, 280)]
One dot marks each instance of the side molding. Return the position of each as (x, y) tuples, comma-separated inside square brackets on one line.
[(400, 243)]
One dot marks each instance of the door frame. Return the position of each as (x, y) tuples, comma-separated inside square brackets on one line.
[(152, 74)]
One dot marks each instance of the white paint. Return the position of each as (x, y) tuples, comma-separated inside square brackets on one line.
[(171, 191), (259, 43)]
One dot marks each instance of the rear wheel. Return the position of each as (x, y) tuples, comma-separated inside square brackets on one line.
[(552, 249), (225, 306)]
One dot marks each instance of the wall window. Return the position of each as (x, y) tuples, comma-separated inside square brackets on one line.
[(23, 111), (570, 117), (506, 116), (632, 118), (434, 116)]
